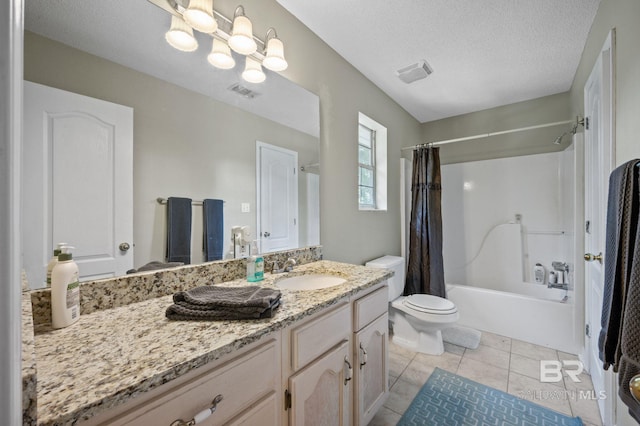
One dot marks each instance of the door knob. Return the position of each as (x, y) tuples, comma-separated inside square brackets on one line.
[(124, 246), (589, 257), (634, 387), (266, 234)]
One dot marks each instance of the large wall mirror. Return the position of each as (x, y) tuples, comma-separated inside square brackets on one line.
[(194, 135)]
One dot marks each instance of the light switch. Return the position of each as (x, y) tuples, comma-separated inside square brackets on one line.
[(246, 207)]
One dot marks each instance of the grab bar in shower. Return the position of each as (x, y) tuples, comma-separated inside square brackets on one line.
[(546, 232)]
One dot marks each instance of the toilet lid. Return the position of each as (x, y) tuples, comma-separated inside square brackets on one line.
[(430, 304)]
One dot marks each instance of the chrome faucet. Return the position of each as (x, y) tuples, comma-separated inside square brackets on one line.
[(561, 270), (287, 267)]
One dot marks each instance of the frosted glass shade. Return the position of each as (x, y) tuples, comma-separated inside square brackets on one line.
[(253, 71), (241, 39), (220, 56), (180, 35), (199, 15), (274, 60)]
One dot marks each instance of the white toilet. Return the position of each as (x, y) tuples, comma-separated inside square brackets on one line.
[(417, 320)]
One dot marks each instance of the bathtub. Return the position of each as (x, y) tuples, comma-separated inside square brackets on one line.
[(540, 317)]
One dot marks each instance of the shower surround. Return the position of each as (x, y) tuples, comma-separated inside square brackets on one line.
[(502, 216)]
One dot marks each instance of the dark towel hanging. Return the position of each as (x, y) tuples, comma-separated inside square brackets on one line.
[(179, 230), (619, 340), (622, 222), (213, 229)]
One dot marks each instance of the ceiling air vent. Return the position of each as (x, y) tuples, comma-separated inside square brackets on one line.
[(415, 72), (243, 91)]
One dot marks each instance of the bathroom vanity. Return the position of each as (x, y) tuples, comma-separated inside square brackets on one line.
[(322, 356)]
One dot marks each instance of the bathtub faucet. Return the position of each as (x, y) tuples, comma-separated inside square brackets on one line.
[(561, 276), (561, 286)]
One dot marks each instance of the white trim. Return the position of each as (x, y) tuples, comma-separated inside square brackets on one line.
[(607, 53), (403, 209), (11, 63), (380, 163)]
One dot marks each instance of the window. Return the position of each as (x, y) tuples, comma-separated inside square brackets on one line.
[(372, 164), (366, 167)]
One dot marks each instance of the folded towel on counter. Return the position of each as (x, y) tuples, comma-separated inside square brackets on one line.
[(179, 230), (221, 303)]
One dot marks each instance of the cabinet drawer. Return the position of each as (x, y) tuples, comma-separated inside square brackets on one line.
[(312, 339), (262, 413), (370, 307), (242, 382)]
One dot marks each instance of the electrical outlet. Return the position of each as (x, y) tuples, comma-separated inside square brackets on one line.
[(246, 207)]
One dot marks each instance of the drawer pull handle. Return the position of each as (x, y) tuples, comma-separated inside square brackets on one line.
[(201, 416), (364, 356), (349, 373)]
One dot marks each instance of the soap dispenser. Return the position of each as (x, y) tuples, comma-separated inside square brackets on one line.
[(53, 262), (255, 264), (65, 290)]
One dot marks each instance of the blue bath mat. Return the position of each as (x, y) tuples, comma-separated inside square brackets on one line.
[(450, 400)]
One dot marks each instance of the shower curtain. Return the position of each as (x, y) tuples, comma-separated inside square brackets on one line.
[(425, 273)]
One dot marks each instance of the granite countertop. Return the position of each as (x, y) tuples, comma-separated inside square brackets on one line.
[(112, 355), (29, 371)]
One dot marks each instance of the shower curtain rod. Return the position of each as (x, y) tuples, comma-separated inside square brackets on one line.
[(486, 135)]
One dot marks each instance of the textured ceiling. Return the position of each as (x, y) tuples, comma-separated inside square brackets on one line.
[(484, 53), (111, 29)]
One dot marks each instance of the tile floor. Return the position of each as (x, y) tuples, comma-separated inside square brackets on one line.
[(507, 364)]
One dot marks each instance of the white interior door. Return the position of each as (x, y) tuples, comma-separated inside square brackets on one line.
[(78, 182), (598, 139), (277, 195)]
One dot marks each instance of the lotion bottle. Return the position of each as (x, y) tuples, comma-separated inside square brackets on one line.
[(255, 264), (53, 262), (539, 273), (65, 290)]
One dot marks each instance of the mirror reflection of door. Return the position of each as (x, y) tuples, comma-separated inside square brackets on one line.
[(277, 197), (78, 182)]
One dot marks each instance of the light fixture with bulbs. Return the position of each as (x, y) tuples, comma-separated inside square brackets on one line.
[(228, 34), (241, 39)]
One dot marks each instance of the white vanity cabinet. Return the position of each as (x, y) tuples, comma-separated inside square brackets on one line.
[(338, 368), (319, 370), (321, 393), (370, 346), (245, 390), (328, 368)]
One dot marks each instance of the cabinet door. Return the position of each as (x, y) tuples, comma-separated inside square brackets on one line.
[(320, 393), (371, 369)]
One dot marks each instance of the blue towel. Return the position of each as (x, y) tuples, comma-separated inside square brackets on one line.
[(179, 230), (213, 229)]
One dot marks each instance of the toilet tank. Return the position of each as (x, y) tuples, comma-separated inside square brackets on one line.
[(396, 264)]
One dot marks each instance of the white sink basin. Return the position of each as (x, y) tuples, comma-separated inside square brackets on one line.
[(310, 282)]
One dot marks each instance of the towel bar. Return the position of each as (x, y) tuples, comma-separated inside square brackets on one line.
[(161, 200)]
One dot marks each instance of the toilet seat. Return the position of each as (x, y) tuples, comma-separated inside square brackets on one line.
[(430, 304)]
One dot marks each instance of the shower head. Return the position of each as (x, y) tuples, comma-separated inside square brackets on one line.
[(580, 121)]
